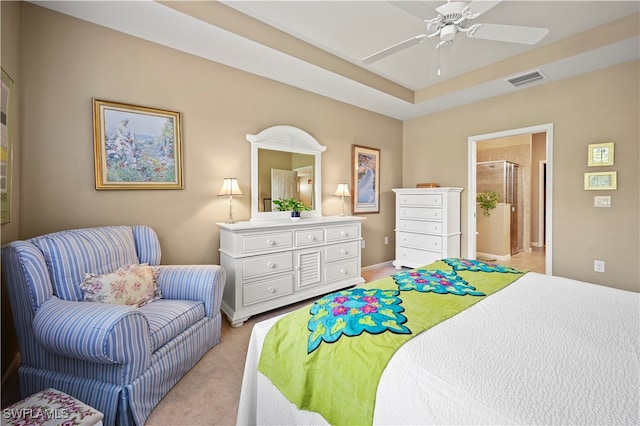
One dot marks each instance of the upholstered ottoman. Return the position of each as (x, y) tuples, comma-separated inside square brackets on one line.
[(51, 407)]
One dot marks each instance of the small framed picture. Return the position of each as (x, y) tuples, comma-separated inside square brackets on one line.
[(136, 147), (365, 179), (601, 181), (601, 154)]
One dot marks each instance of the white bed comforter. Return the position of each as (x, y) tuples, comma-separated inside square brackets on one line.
[(544, 350)]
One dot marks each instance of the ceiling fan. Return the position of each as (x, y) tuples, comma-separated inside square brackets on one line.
[(450, 19)]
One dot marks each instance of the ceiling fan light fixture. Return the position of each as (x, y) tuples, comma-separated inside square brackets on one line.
[(451, 18), (448, 33)]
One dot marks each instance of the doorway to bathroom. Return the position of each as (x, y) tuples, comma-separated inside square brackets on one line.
[(508, 163)]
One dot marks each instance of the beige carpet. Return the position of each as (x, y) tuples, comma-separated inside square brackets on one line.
[(209, 393)]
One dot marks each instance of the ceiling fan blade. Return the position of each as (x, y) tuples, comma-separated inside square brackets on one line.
[(508, 33), (478, 7), (418, 9), (393, 49), (441, 58)]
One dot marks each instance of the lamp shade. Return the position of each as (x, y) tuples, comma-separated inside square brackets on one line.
[(343, 190), (230, 188)]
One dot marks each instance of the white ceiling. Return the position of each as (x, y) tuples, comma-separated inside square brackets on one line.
[(352, 30)]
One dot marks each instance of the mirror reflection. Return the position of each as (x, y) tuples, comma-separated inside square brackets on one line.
[(284, 174)]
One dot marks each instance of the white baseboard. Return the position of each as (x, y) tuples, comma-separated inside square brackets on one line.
[(378, 265), (493, 256)]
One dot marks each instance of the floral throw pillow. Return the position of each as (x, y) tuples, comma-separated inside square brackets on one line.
[(133, 285)]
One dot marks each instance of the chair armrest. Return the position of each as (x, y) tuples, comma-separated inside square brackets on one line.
[(203, 283), (96, 332)]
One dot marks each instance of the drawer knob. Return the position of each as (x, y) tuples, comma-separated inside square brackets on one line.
[(271, 265), (435, 214), (271, 242), (311, 237), (343, 233), (271, 290), (343, 271), (343, 251)]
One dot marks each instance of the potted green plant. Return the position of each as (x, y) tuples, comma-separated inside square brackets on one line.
[(488, 201), (293, 205)]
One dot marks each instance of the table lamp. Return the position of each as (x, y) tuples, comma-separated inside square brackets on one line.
[(342, 191), (230, 189)]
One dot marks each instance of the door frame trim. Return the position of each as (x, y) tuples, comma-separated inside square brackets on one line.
[(471, 193)]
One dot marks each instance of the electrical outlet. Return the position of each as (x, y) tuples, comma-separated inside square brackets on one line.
[(386, 239), (362, 243), (598, 266)]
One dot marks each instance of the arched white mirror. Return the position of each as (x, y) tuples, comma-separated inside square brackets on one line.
[(285, 163)]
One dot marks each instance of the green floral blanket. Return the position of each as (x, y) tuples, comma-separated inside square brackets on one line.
[(328, 357)]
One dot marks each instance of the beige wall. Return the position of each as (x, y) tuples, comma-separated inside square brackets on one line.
[(10, 14), (595, 107), (493, 238), (68, 61), (539, 155)]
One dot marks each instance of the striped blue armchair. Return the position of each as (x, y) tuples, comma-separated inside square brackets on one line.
[(119, 359)]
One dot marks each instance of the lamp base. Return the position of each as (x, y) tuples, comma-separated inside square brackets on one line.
[(231, 219)]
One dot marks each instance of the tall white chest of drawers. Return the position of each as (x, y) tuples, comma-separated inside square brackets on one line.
[(270, 264), (427, 225)]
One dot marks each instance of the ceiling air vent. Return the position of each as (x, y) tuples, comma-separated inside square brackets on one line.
[(527, 78)]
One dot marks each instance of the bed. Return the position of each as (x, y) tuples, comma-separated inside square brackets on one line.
[(535, 350)]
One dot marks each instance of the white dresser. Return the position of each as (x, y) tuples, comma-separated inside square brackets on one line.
[(273, 263), (427, 225)]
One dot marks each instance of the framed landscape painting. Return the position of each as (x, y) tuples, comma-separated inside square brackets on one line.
[(365, 179), (136, 147), (6, 154)]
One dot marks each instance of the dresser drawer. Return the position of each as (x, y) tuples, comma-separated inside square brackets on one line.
[(341, 251), (341, 271), (342, 232), (259, 242), (267, 264), (415, 257), (269, 289), (306, 237), (427, 242), (426, 227), (420, 213), (420, 200)]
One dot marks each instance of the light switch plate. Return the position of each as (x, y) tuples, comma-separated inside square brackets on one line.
[(602, 201)]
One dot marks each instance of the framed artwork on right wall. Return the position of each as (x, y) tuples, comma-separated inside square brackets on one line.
[(600, 154), (601, 181)]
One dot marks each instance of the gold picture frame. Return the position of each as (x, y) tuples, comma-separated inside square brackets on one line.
[(600, 154), (6, 147), (136, 147), (601, 181)]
